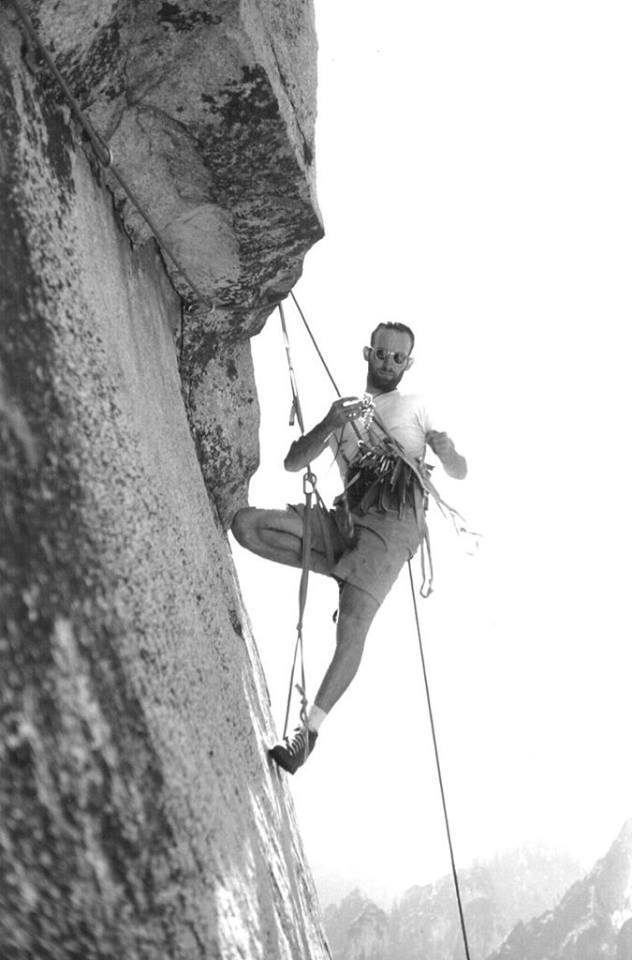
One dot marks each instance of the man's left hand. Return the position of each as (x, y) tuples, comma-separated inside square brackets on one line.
[(453, 463), (440, 443)]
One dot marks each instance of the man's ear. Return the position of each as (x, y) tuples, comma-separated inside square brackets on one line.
[(410, 362), (366, 352)]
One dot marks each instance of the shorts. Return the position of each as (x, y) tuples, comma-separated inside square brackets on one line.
[(383, 543)]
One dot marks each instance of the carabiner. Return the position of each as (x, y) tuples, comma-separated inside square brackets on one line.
[(309, 482)]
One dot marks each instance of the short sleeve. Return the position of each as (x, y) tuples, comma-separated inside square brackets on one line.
[(424, 416)]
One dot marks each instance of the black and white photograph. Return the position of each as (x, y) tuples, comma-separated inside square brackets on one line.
[(315, 630)]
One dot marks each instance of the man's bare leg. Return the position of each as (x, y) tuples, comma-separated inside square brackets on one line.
[(355, 615), (275, 535), (278, 535)]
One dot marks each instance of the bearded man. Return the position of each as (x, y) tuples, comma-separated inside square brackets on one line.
[(375, 526)]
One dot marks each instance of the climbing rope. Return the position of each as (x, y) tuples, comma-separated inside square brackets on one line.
[(316, 347), (426, 589), (455, 875), (310, 491), (296, 410), (102, 150)]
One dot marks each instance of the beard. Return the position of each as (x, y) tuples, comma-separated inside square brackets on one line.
[(383, 380)]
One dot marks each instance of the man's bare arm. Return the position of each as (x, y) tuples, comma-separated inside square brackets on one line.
[(312, 443), (453, 463)]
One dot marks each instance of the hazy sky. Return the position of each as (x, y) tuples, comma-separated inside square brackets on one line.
[(474, 171)]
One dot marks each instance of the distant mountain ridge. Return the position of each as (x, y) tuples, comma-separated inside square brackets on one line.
[(592, 922), (424, 923)]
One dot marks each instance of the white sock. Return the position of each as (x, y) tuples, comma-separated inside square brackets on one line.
[(315, 717)]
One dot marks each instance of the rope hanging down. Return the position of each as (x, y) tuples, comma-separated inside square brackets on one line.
[(310, 490), (102, 150), (316, 347), (455, 875), (445, 510)]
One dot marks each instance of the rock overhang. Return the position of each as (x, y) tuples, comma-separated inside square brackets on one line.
[(209, 110)]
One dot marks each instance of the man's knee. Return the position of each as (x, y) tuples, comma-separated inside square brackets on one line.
[(244, 525), (356, 606)]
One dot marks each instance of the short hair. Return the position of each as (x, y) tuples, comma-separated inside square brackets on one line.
[(398, 328)]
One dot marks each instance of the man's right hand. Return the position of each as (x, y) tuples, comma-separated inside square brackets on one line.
[(343, 411), (312, 444)]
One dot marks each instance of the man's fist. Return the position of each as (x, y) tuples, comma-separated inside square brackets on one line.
[(344, 410), (440, 443), (453, 463)]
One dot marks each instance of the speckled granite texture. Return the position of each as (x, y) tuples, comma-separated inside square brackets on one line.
[(139, 817), (209, 109)]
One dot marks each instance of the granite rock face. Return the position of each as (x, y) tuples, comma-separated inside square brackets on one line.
[(208, 107), (139, 816)]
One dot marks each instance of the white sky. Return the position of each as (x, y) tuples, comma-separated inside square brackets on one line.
[(474, 172)]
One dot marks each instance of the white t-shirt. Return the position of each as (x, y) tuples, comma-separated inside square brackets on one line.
[(405, 417)]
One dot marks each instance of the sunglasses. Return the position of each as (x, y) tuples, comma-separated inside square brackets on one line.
[(398, 357)]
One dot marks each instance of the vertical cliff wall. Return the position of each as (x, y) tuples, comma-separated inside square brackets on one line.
[(139, 816)]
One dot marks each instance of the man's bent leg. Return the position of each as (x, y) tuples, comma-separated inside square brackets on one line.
[(275, 535), (355, 615)]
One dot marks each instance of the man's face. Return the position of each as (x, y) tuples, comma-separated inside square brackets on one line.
[(384, 374)]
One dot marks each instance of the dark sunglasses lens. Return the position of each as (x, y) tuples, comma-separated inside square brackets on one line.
[(382, 354)]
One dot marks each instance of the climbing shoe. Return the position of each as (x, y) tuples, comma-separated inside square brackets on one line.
[(292, 751)]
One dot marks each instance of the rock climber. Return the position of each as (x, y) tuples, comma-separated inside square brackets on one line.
[(375, 526)]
